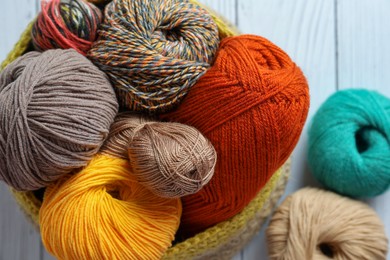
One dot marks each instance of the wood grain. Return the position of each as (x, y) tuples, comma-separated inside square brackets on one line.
[(226, 8), (14, 17), (364, 60), (364, 44), (18, 238), (337, 43)]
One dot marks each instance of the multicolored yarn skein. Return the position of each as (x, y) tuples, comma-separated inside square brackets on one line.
[(66, 24), (252, 105), (103, 212), (170, 159), (56, 110), (318, 224), (154, 51), (349, 143)]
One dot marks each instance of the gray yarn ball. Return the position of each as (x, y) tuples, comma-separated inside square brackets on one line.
[(56, 111)]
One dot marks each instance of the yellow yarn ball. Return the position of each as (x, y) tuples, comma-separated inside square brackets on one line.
[(102, 212)]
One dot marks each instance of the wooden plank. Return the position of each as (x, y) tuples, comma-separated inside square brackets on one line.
[(306, 31), (227, 8), (19, 239), (46, 255), (15, 15), (364, 60), (363, 40)]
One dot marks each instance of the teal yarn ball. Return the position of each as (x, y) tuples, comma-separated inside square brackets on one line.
[(349, 143)]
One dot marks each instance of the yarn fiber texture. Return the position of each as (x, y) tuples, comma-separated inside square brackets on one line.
[(170, 159), (349, 143), (251, 104), (56, 110), (154, 51), (336, 228), (66, 24), (102, 212)]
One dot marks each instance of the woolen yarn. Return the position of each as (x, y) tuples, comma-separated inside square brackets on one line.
[(317, 224), (66, 24), (154, 51), (56, 110), (349, 143), (170, 159), (251, 104), (103, 212)]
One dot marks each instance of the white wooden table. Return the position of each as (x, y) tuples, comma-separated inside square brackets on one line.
[(339, 44)]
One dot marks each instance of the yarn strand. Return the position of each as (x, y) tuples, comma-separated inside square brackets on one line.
[(349, 143), (170, 159), (54, 117), (336, 228), (251, 105), (106, 213), (66, 24), (161, 50)]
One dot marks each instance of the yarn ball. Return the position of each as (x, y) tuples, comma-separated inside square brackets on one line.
[(154, 51), (252, 105), (102, 212), (318, 224), (56, 110), (170, 159), (66, 24), (349, 143)]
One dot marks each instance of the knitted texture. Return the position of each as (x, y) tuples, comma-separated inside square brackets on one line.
[(29, 204), (219, 242), (252, 114), (225, 239), (349, 143), (66, 24), (54, 117), (161, 49)]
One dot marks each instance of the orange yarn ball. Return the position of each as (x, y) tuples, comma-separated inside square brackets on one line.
[(252, 105), (102, 212)]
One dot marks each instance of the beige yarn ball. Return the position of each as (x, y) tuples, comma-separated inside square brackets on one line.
[(318, 224), (170, 159)]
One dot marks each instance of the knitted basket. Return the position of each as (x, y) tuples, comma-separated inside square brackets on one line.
[(221, 241)]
